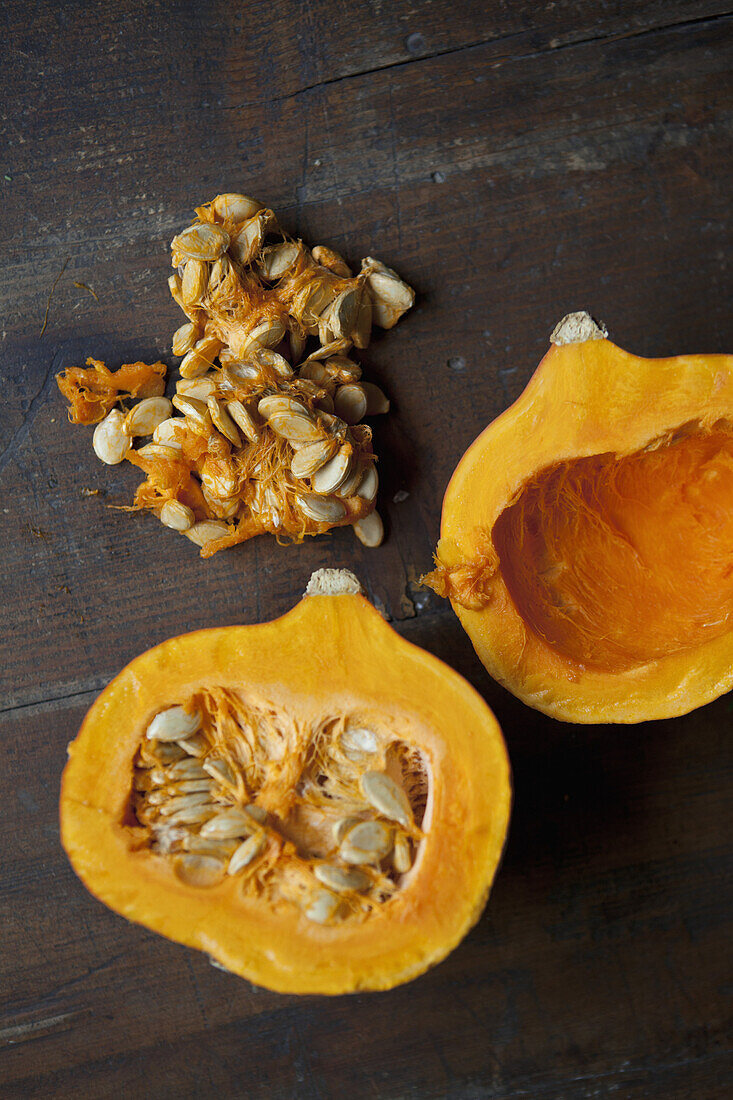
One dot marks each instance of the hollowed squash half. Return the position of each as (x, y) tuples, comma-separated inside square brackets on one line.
[(314, 802), (587, 534)]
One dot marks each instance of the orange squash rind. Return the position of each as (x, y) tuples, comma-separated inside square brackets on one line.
[(587, 534)]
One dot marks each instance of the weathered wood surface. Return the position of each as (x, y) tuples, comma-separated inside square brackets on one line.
[(513, 162)]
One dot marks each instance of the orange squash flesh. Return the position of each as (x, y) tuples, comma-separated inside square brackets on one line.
[(330, 651), (587, 536)]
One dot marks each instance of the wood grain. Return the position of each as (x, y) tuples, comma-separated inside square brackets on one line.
[(513, 162)]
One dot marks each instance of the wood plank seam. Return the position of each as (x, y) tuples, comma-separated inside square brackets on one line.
[(551, 47)]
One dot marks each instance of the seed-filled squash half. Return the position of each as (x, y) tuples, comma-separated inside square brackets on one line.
[(587, 534), (316, 803)]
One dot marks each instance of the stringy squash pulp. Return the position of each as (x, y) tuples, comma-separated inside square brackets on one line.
[(314, 802), (587, 535)]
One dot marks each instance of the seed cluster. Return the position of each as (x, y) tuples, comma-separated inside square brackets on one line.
[(327, 819), (269, 438)]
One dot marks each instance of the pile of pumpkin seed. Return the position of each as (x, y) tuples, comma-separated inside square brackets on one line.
[(334, 836), (271, 431)]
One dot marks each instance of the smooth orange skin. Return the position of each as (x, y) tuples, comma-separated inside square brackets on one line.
[(584, 399), (328, 651)]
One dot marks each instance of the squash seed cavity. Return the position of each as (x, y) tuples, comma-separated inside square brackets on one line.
[(229, 789)]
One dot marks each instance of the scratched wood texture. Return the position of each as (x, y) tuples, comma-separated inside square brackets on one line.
[(513, 161)]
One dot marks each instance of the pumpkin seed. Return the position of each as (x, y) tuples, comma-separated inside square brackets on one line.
[(350, 403), (342, 369), (192, 815), (172, 724), (220, 770), (401, 854), (199, 870), (201, 388), (266, 357), (297, 344), (367, 842), (187, 769), (333, 473), (177, 515), (169, 433), (189, 786), (247, 242), (377, 402), (269, 333), (276, 259), (162, 752), (235, 208), (109, 441), (195, 280), (341, 827), (321, 509), (244, 372), (280, 404), (200, 358), (349, 487), (343, 313), (219, 272), (219, 849), (359, 739), (247, 851), (296, 429), (386, 796), (174, 285), (368, 484), (332, 260), (208, 530), (223, 423), (312, 457), (185, 802), (315, 372), (324, 908), (244, 420), (361, 333), (341, 879), (391, 297), (228, 824), (195, 746), (316, 296), (184, 338), (145, 417), (333, 424), (222, 507), (370, 530), (193, 407), (219, 481), (170, 452), (202, 241)]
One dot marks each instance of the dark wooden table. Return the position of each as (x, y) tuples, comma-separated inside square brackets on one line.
[(514, 162)]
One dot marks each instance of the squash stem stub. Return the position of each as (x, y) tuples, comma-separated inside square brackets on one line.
[(576, 328), (334, 582)]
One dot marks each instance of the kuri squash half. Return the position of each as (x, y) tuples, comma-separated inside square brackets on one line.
[(587, 534), (314, 802)]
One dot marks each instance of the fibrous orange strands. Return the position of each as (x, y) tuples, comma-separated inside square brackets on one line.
[(167, 479), (617, 562), (471, 583), (93, 390)]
